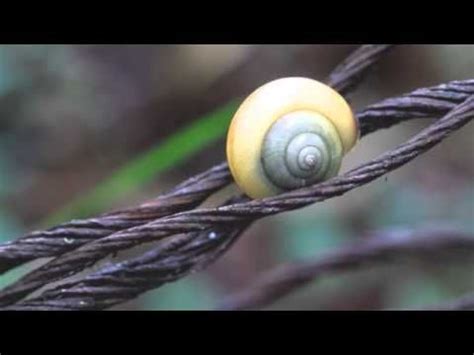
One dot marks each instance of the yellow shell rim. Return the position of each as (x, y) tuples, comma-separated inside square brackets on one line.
[(265, 105)]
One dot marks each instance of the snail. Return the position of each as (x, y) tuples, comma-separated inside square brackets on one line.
[(289, 133)]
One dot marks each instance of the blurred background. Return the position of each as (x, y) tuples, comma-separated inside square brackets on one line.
[(86, 129)]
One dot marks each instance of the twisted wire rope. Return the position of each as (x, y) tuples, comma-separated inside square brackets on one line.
[(215, 229), (193, 248), (68, 236), (440, 98)]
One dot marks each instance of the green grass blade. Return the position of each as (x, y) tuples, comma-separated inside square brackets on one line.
[(169, 153)]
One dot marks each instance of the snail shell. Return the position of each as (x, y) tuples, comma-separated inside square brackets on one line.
[(289, 133)]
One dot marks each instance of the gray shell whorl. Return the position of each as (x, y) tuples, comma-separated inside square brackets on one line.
[(301, 149)]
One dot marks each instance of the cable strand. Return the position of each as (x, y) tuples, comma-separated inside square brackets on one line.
[(84, 293), (68, 236), (72, 262)]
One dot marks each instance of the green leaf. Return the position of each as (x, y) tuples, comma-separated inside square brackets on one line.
[(169, 153)]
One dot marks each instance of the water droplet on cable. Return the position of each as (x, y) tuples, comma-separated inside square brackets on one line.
[(212, 235)]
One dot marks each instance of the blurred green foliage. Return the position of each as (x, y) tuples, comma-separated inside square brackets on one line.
[(303, 235), (10, 77), (6, 180), (409, 206), (417, 290), (195, 292), (9, 226)]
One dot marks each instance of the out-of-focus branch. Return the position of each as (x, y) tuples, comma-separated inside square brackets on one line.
[(383, 247)]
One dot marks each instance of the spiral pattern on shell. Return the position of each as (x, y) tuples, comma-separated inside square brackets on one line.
[(289, 133), (300, 149)]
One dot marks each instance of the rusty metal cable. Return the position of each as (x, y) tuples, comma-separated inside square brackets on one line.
[(211, 229), (442, 98), (70, 235)]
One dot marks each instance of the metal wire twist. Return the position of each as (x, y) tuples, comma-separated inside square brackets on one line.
[(214, 229)]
